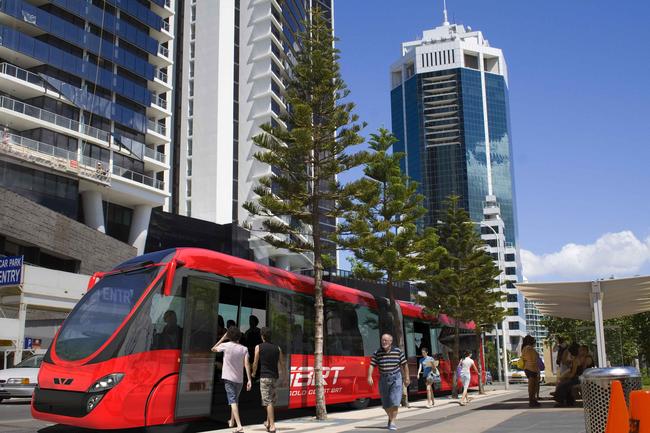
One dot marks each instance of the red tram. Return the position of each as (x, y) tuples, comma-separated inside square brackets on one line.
[(135, 351)]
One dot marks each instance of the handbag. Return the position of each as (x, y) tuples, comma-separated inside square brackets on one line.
[(520, 363), (540, 364)]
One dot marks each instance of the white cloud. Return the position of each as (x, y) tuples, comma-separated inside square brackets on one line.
[(620, 254)]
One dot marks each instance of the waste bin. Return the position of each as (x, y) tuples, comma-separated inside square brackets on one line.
[(596, 385)]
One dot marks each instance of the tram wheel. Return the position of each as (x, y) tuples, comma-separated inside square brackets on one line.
[(360, 403)]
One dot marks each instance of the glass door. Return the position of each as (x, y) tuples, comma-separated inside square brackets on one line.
[(196, 377)]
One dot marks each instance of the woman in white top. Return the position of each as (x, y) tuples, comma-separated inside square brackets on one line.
[(465, 365)]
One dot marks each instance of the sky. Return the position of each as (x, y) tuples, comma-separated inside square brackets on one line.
[(579, 81)]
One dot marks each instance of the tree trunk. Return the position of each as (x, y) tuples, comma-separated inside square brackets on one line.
[(398, 330), (481, 359), (321, 410), (456, 360)]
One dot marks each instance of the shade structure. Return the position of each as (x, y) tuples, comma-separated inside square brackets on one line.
[(591, 300)]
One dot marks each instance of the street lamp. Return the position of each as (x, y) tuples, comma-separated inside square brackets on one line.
[(503, 324)]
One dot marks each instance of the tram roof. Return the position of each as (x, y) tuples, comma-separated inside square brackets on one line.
[(245, 272)]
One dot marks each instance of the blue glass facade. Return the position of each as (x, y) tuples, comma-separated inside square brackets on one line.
[(501, 151), (440, 125)]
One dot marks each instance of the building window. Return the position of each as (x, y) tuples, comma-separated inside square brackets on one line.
[(510, 258), (190, 127), (511, 271), (512, 298), (189, 188), (513, 312), (191, 69), (192, 50), (189, 167), (191, 88), (193, 13), (513, 325), (188, 207), (190, 108), (189, 147)]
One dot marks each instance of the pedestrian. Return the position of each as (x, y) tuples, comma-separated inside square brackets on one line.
[(235, 360), (531, 369), (393, 374), (465, 365), (428, 368), (269, 358)]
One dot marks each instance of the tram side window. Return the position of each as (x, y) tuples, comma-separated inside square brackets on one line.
[(252, 318), (158, 324), (350, 330), (292, 322), (410, 338), (385, 317)]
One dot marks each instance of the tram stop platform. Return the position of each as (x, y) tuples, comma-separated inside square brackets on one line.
[(498, 411)]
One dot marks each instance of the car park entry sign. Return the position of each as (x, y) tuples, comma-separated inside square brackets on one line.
[(11, 270)]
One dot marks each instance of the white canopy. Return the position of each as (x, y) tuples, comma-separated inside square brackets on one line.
[(591, 300)]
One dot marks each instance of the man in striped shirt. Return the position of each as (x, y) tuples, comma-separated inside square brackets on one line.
[(393, 372)]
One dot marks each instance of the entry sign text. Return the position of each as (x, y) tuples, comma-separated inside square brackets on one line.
[(11, 270)]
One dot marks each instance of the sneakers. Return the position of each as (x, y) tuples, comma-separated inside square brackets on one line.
[(392, 426)]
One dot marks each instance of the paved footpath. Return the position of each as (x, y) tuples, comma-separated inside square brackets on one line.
[(496, 412)]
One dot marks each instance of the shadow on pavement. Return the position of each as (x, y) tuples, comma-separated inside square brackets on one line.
[(522, 403)]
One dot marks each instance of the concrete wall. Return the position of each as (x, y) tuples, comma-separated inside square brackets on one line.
[(30, 223)]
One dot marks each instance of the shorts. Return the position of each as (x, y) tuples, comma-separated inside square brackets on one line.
[(430, 379), (465, 379), (267, 391), (233, 389), (390, 389)]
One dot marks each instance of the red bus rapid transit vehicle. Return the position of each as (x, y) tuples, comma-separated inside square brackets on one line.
[(135, 351)]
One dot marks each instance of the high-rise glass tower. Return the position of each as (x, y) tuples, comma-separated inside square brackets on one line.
[(449, 98), (85, 108)]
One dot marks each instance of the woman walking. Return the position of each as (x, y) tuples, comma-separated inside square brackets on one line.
[(235, 360), (465, 365), (428, 368), (531, 368)]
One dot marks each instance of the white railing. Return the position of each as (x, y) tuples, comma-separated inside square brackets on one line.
[(168, 3), (163, 51), (165, 26), (56, 119), (157, 127), (154, 154), (21, 74), (162, 76), (53, 157), (138, 177), (162, 103)]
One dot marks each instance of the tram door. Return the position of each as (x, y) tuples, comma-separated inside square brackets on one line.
[(200, 329), (422, 339), (245, 308)]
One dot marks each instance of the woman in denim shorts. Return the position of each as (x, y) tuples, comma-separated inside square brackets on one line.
[(235, 356)]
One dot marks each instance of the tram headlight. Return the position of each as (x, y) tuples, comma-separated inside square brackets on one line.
[(93, 401), (106, 383)]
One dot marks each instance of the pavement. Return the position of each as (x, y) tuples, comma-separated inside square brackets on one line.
[(497, 411)]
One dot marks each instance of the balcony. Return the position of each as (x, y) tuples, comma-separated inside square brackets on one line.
[(52, 157), (139, 178), (157, 127), (155, 155), (163, 51), (54, 119), (160, 102)]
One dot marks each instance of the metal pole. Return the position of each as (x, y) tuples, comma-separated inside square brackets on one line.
[(597, 305), (503, 325), (498, 346)]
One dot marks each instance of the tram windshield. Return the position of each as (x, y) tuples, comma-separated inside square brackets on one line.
[(100, 312)]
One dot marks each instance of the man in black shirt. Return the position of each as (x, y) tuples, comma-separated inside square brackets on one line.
[(271, 363)]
